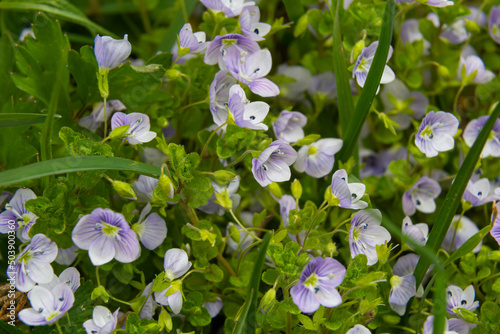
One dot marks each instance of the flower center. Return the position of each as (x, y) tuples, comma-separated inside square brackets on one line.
[(169, 275), (396, 281), (427, 133), (52, 315), (311, 282), (312, 150), (109, 230)]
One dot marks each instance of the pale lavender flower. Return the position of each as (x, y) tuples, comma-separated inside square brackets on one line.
[(96, 117), (495, 229), (5, 196), (494, 23), (16, 213), (69, 276), (439, 3), (474, 70), (344, 194), (436, 132), (460, 326), (288, 126), (303, 81), (421, 196), (154, 156), (358, 329), (324, 84), (457, 298), (195, 42), (429, 326), (403, 283), (138, 133), (418, 233), (47, 306), (219, 96), (273, 163), (364, 62), (287, 203), (144, 187), (250, 25), (317, 284), (317, 159), (231, 188), (366, 233), (244, 113), (32, 265), (149, 305), (106, 235), (460, 230), (397, 97), (377, 163), (410, 32), (213, 307), (251, 69), (221, 45), (434, 18), (229, 7), (102, 322), (176, 264), (245, 240), (66, 256), (478, 193), (492, 145), (152, 229), (111, 52), (25, 33), (477, 16), (455, 33)]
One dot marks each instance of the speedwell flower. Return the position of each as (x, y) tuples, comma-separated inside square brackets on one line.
[(32, 265), (460, 230), (494, 23), (102, 322), (250, 25), (229, 7), (144, 187), (15, 211), (66, 256), (70, 276), (106, 235), (302, 81), (220, 46), (346, 195), (474, 70), (138, 132), (429, 326), (273, 163), (457, 298), (47, 306), (364, 62), (366, 233), (455, 33), (478, 193), (317, 284), (219, 96), (418, 233), (111, 52), (410, 32), (436, 132), (492, 145), (421, 196), (244, 113), (495, 229), (288, 126), (152, 229), (96, 117), (213, 307), (231, 188), (317, 159), (403, 283), (358, 329), (439, 3), (195, 42)]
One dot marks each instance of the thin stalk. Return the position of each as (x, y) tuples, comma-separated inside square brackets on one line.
[(59, 327), (209, 139), (225, 264), (105, 118), (239, 159), (243, 226)]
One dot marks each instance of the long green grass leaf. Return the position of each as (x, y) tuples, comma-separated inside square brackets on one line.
[(74, 164), (294, 9), (73, 15), (468, 246), (176, 25), (372, 83), (16, 119), (246, 322)]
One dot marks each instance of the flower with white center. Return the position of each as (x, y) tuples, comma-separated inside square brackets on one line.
[(47, 306), (436, 132), (288, 126), (195, 42), (402, 105), (102, 322), (403, 283), (231, 188), (303, 81), (251, 69), (460, 230), (478, 193), (492, 145), (317, 159), (366, 233), (474, 70), (219, 96), (15, 211), (421, 196), (250, 25), (494, 23), (346, 195), (66, 256), (138, 132), (429, 326), (273, 164), (111, 52), (32, 265), (176, 264), (151, 230), (317, 284), (106, 235), (229, 7), (70, 276), (221, 45), (213, 307), (244, 113), (457, 299), (418, 233), (358, 329), (455, 33), (96, 117), (144, 187), (364, 62)]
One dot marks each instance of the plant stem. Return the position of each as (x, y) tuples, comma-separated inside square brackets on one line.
[(69, 321), (225, 264), (120, 301), (455, 101), (59, 327), (191, 214), (97, 275), (192, 105), (243, 227), (239, 159), (105, 118), (288, 315), (209, 139)]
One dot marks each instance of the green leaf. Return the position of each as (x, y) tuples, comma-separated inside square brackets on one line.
[(9, 329), (372, 84), (83, 67), (75, 164), (306, 321), (454, 196), (170, 38), (468, 246), (246, 320), (16, 119), (307, 140), (294, 9)]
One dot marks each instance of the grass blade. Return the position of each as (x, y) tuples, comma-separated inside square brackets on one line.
[(16, 119), (454, 196), (294, 9), (372, 83), (74, 164), (469, 245), (246, 321), (176, 25)]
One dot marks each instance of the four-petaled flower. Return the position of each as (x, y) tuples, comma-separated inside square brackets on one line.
[(195, 42), (460, 230), (474, 70), (152, 229), (15, 211), (317, 159), (492, 145), (244, 113), (250, 25), (317, 284), (346, 195), (421, 196), (102, 322), (436, 132), (111, 52), (478, 193), (273, 163), (403, 283), (364, 62), (288, 126), (138, 132), (457, 299), (494, 23), (418, 233)]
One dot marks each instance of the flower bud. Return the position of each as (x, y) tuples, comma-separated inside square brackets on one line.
[(124, 189), (331, 198), (224, 200), (275, 190), (119, 131), (166, 186), (234, 233), (268, 300), (165, 320), (172, 74), (111, 52), (296, 189), (224, 176)]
